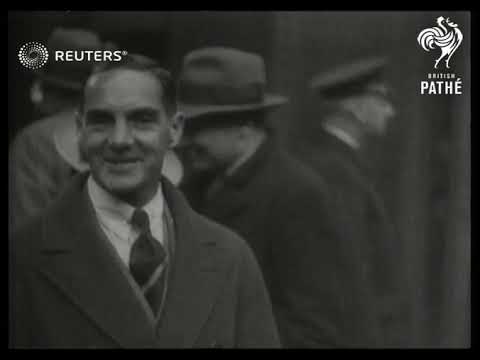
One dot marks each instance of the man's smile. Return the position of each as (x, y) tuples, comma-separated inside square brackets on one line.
[(122, 165), (117, 161)]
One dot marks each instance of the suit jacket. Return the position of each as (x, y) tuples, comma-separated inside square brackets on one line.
[(67, 289), (349, 177), (37, 172), (284, 211)]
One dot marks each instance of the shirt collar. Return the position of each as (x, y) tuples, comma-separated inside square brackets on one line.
[(342, 135), (115, 209)]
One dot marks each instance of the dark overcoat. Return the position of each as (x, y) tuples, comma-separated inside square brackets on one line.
[(284, 211), (68, 291), (350, 179)]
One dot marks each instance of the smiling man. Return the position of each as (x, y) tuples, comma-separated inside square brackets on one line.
[(120, 259)]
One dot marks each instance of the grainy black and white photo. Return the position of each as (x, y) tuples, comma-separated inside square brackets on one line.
[(239, 179)]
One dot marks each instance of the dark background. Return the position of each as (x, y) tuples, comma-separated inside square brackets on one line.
[(423, 169)]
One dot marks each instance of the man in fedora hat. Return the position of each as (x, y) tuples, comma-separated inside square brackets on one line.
[(355, 107), (44, 156), (120, 260), (241, 177)]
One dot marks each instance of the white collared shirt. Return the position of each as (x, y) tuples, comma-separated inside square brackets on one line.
[(342, 135), (114, 217)]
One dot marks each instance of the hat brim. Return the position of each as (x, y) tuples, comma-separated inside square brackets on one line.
[(66, 137), (191, 111)]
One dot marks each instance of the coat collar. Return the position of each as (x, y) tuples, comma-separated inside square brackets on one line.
[(79, 263), (239, 191), (198, 274), (356, 157), (256, 162)]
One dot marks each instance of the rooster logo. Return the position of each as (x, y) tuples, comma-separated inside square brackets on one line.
[(447, 39)]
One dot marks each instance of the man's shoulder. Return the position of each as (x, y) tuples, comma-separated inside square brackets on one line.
[(223, 237), (230, 246), (202, 228), (32, 233), (297, 179), (42, 128), (37, 138), (25, 241), (339, 169), (34, 148)]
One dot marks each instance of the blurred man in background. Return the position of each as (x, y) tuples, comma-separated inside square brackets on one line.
[(37, 172), (44, 156), (239, 176), (356, 110)]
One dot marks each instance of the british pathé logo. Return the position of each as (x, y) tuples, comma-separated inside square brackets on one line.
[(447, 37), (34, 55), (441, 84)]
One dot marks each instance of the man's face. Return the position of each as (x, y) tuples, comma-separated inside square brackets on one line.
[(209, 150), (125, 132), (373, 110), (379, 111), (379, 114)]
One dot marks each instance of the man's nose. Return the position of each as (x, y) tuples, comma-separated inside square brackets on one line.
[(121, 133)]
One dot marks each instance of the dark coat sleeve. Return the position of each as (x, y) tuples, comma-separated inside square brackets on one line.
[(256, 326), (325, 301), (19, 297)]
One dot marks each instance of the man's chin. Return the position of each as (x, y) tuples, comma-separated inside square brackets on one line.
[(121, 186)]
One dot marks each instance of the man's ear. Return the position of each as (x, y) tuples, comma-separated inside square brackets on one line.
[(36, 93), (176, 128), (78, 119)]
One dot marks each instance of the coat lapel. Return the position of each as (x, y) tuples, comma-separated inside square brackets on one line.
[(199, 271), (80, 264)]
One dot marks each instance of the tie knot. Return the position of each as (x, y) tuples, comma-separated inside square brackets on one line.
[(140, 220)]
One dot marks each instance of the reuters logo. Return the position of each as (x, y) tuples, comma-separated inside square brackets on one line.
[(33, 55)]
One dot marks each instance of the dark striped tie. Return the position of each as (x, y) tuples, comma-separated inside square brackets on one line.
[(147, 260)]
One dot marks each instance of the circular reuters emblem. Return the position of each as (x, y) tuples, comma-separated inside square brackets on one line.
[(33, 55)]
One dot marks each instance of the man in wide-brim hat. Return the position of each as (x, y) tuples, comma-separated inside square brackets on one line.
[(241, 177)]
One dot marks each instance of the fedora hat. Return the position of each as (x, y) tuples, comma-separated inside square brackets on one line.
[(69, 74), (223, 80)]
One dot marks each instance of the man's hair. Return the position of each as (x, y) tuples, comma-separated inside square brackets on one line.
[(145, 64)]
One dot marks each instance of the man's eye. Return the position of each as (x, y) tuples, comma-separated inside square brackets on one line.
[(98, 120), (143, 119)]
